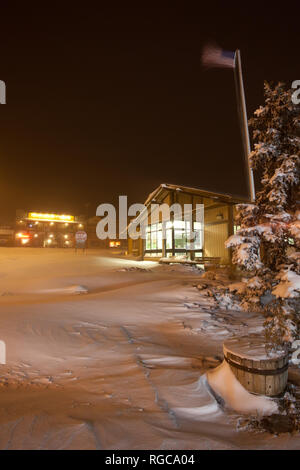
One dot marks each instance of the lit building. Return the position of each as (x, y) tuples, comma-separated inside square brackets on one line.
[(43, 229), (210, 234)]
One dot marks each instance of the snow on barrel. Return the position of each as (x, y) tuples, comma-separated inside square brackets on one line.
[(258, 370)]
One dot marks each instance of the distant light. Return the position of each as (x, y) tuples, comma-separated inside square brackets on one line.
[(114, 244), (22, 235), (66, 224), (24, 241), (67, 242), (80, 225), (66, 236), (51, 236), (35, 235), (36, 223), (51, 223), (49, 240)]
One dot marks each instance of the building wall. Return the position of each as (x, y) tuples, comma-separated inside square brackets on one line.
[(217, 228), (214, 241)]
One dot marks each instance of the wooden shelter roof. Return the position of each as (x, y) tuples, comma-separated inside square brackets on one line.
[(161, 191)]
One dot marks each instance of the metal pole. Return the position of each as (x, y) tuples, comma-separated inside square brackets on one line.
[(243, 120)]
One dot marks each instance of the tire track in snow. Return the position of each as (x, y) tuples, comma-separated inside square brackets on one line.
[(93, 430), (161, 403), (12, 432)]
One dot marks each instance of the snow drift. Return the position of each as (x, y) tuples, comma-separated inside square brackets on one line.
[(224, 383)]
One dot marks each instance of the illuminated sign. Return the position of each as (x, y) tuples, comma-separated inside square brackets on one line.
[(50, 217)]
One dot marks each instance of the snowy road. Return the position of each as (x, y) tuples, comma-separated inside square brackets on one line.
[(103, 356)]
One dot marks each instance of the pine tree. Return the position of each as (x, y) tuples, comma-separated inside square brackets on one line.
[(268, 241)]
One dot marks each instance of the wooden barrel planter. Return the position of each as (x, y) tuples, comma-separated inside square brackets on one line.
[(259, 372)]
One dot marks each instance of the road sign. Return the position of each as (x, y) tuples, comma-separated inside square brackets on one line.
[(81, 236)]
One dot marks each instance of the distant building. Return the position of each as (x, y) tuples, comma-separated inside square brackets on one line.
[(40, 229), (211, 234), (6, 235), (93, 240), (51, 230)]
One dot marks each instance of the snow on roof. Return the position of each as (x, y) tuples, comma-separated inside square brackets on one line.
[(199, 192)]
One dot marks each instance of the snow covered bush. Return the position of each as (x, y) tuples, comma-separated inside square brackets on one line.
[(267, 245)]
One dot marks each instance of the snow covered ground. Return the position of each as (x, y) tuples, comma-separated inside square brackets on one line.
[(108, 353)]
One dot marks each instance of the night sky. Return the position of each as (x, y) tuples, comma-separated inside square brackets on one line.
[(114, 100)]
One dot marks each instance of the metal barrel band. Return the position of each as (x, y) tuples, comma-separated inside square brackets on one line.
[(257, 371)]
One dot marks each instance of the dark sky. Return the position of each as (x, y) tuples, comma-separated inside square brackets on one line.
[(113, 100)]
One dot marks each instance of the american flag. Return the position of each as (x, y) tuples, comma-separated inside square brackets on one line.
[(213, 56)]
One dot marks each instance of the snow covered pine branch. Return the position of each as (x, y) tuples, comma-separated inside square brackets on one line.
[(267, 244)]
